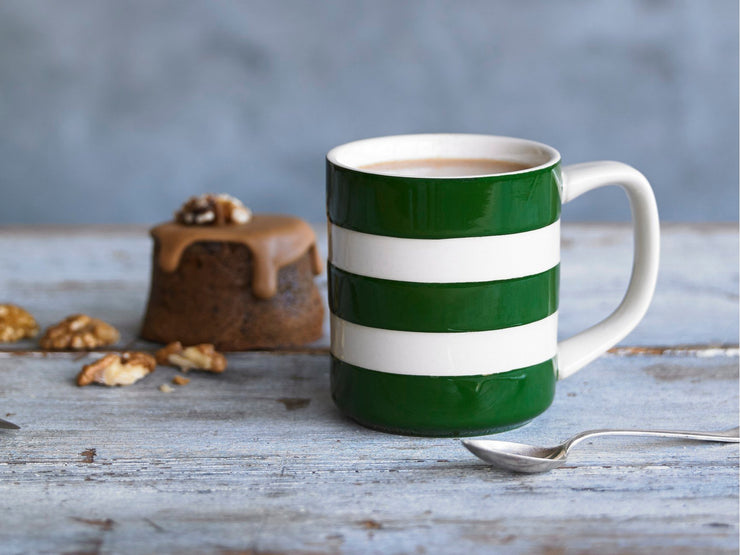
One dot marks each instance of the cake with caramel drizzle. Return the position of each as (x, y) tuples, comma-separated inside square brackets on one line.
[(238, 280)]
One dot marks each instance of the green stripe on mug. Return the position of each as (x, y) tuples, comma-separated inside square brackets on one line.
[(442, 406), (474, 207), (442, 307)]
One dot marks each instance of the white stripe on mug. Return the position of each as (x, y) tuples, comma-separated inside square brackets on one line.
[(456, 260), (444, 354)]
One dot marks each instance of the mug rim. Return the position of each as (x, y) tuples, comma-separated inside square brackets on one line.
[(334, 156)]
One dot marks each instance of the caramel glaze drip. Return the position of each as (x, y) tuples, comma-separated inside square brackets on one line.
[(274, 241)]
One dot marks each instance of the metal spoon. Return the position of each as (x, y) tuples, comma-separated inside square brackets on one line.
[(8, 425), (519, 457)]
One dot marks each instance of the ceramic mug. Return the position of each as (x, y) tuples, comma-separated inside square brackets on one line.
[(443, 291)]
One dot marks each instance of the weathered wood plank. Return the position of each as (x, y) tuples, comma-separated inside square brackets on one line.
[(259, 459), (105, 272), (696, 298)]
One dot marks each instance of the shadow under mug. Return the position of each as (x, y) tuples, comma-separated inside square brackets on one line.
[(443, 291)]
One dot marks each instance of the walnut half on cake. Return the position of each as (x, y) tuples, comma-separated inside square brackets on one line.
[(221, 275)]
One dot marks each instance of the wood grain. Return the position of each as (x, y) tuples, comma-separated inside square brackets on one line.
[(259, 459)]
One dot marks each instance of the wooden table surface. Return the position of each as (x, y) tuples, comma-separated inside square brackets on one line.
[(258, 460)]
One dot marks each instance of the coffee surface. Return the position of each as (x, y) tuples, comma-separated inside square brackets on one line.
[(445, 167)]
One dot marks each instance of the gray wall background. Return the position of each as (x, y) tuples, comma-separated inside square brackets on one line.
[(115, 111)]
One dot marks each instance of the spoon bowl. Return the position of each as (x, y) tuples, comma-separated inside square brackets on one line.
[(519, 457), (516, 456)]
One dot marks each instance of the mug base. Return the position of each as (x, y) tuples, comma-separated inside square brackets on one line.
[(437, 433), (442, 406)]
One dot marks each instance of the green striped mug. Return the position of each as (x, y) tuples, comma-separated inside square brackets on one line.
[(443, 291)]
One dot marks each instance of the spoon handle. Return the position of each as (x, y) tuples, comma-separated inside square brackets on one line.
[(728, 436)]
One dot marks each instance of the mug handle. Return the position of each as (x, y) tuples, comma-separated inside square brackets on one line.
[(576, 352)]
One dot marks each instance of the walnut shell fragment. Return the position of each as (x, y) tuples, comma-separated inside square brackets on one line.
[(16, 323), (78, 332), (114, 369), (200, 357)]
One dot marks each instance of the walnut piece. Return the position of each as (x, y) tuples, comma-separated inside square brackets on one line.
[(211, 209), (201, 357), (16, 323), (113, 369), (180, 380), (78, 332)]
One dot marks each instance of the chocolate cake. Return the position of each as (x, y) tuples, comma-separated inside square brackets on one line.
[(223, 276)]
